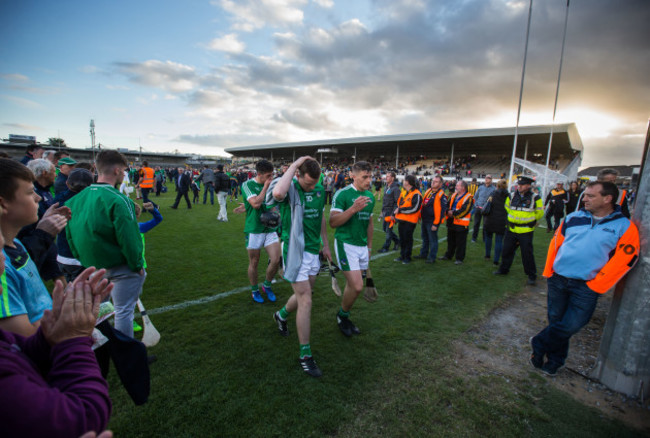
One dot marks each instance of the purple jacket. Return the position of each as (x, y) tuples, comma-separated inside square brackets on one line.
[(48, 391)]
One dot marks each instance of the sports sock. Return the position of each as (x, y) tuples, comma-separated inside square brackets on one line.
[(283, 313), (305, 350), (255, 288), (343, 313), (267, 283)]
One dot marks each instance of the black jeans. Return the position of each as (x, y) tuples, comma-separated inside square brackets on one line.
[(390, 236), (406, 230), (456, 241), (557, 215), (145, 194), (179, 195), (525, 242)]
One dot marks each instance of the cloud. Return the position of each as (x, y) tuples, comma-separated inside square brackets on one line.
[(227, 43), (117, 87), (327, 4), (167, 75), (400, 10), (22, 126), (305, 119), (90, 69), (17, 82), (36, 90), (414, 66), (22, 102), (15, 77), (225, 140), (613, 151), (248, 15), (146, 100)]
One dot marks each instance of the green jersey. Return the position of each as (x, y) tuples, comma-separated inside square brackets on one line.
[(355, 230), (103, 230), (314, 203), (253, 225)]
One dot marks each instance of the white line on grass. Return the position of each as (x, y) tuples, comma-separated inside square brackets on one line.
[(203, 300), (221, 295)]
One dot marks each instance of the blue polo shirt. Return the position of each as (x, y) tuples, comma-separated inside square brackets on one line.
[(23, 291)]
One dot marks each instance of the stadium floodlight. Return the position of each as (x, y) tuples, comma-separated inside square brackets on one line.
[(92, 137)]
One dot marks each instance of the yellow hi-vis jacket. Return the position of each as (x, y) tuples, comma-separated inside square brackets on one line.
[(523, 211)]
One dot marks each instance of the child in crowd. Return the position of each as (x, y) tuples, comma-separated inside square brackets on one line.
[(25, 296), (195, 191)]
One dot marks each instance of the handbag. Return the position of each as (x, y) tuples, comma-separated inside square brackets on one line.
[(487, 209)]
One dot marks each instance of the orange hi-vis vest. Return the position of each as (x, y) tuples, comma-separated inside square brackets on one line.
[(147, 178), (462, 220), (438, 215), (622, 195), (405, 202)]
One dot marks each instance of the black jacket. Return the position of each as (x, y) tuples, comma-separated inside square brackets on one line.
[(573, 201), (222, 182), (391, 196), (184, 183), (495, 222)]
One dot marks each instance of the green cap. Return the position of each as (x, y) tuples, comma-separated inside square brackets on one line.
[(67, 160)]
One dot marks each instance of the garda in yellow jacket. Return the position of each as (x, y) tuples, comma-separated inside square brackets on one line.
[(523, 211)]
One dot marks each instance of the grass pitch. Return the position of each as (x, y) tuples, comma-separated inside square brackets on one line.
[(223, 370)]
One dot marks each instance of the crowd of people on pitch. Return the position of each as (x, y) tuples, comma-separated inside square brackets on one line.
[(593, 246), (70, 222), (608, 247)]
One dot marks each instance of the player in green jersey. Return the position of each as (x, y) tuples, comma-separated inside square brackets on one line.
[(259, 236), (304, 230), (351, 214)]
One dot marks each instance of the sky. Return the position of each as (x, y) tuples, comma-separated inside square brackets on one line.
[(198, 76)]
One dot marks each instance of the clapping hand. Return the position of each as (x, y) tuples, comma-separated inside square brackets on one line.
[(75, 308)]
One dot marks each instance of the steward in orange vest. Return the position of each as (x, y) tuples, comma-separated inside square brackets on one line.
[(458, 217), (434, 212), (460, 209), (146, 181), (146, 176), (407, 214), (408, 206)]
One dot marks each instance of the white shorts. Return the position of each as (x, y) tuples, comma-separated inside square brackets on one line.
[(310, 266), (351, 257), (262, 240)]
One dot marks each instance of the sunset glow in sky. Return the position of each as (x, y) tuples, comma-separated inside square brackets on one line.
[(199, 76)]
